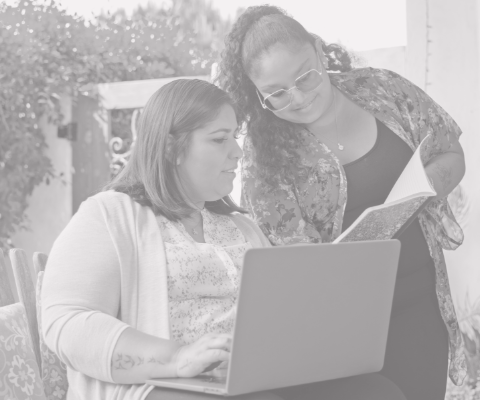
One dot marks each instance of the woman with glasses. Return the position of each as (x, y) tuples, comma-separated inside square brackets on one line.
[(313, 124)]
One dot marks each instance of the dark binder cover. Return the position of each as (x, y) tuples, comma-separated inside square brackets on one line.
[(411, 219)]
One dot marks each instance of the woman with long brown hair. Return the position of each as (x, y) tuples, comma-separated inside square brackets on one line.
[(314, 123)]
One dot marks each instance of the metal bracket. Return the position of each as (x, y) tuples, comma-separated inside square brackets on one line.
[(68, 131)]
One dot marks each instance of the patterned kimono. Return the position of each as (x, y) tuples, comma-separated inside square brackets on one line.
[(311, 209)]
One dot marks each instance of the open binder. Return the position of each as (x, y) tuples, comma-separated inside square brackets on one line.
[(406, 200)]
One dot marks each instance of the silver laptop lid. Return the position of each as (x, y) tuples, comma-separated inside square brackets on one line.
[(326, 307)]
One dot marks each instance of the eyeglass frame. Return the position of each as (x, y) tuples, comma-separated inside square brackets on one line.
[(262, 102)]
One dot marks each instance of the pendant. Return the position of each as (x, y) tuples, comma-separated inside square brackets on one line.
[(340, 146)]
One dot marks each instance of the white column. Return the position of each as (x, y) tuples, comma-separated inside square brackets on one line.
[(443, 58)]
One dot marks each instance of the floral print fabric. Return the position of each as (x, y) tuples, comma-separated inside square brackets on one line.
[(203, 278), (19, 375), (310, 209), (53, 371)]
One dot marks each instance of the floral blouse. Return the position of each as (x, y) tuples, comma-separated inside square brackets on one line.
[(311, 209), (203, 278)]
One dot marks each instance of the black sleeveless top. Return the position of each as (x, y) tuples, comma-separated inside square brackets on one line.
[(369, 181)]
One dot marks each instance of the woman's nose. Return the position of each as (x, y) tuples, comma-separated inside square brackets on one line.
[(236, 151), (298, 97)]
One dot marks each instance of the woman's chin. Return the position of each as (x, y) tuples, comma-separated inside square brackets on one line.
[(306, 115), (304, 119), (220, 195)]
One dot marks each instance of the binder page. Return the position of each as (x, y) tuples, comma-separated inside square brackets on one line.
[(413, 180), (381, 222)]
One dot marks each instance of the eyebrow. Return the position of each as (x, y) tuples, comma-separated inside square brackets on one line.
[(224, 130), (271, 87)]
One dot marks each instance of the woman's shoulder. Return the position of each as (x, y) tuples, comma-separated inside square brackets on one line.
[(366, 81), (250, 230), (110, 196), (112, 202), (363, 77)]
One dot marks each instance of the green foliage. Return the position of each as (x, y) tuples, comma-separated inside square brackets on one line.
[(44, 52), (464, 392), (469, 322)]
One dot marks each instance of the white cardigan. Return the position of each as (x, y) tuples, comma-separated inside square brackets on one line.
[(106, 272)]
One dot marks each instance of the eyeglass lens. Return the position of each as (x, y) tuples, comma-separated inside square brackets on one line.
[(305, 83)]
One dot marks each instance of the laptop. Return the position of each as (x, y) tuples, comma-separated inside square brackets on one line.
[(305, 314)]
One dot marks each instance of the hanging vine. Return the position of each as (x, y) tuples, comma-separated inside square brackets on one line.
[(44, 53)]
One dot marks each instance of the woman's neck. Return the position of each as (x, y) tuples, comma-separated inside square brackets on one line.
[(326, 122)]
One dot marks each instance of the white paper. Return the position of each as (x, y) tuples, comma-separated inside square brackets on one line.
[(409, 193), (413, 181)]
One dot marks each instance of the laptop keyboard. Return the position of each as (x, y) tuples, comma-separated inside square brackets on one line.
[(212, 379)]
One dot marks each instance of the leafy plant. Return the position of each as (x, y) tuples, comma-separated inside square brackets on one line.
[(469, 322), (44, 53), (464, 392)]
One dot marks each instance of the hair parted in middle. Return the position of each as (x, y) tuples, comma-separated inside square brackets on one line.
[(256, 30), (172, 113)]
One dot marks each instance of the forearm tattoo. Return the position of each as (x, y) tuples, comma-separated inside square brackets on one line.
[(444, 175), (126, 361)]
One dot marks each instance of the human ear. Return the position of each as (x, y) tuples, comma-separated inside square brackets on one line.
[(180, 158), (319, 45), (169, 154), (321, 54)]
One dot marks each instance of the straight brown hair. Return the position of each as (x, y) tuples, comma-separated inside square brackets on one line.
[(150, 176)]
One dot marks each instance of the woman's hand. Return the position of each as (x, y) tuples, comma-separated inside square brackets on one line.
[(192, 359), (446, 170)]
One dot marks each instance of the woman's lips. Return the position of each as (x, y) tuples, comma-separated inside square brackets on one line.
[(230, 172), (306, 105)]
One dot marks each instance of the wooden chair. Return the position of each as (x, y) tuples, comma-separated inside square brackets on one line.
[(53, 371), (39, 262), (19, 373), (26, 294), (6, 295)]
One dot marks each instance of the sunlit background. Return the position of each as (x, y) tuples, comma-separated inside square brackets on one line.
[(358, 25)]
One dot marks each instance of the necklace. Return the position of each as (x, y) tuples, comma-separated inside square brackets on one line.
[(340, 146), (195, 230)]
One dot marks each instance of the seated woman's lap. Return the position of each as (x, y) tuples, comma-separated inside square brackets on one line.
[(363, 387), (172, 394)]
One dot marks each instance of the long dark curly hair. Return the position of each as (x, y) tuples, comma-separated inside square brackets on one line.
[(274, 140)]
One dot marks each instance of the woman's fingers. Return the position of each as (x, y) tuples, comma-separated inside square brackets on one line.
[(211, 358), (212, 366), (193, 363), (224, 343), (215, 336), (219, 372), (213, 355), (205, 354)]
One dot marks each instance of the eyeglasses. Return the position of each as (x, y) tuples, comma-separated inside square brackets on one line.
[(281, 99)]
